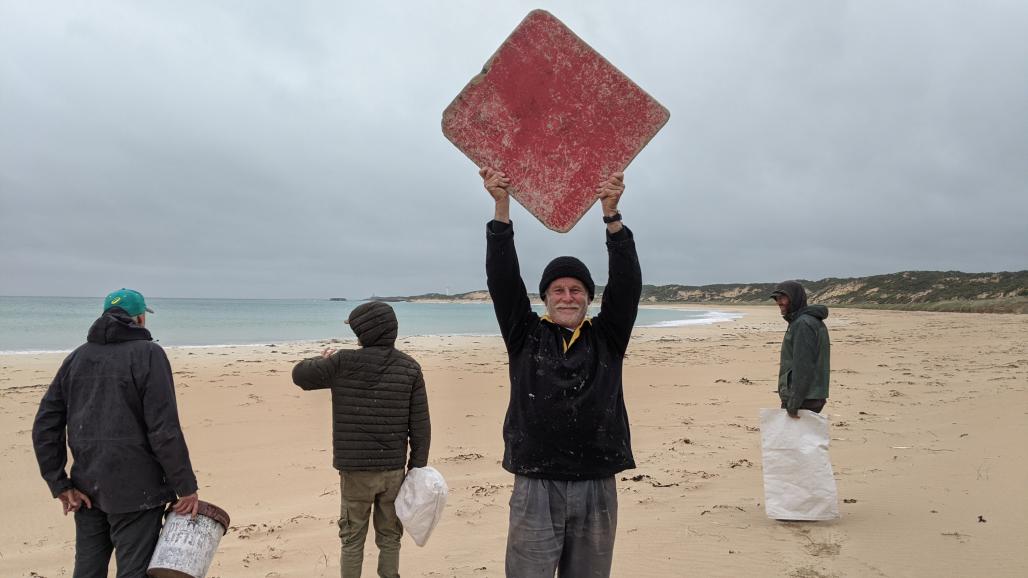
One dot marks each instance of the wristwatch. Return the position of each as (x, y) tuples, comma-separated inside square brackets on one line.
[(613, 218)]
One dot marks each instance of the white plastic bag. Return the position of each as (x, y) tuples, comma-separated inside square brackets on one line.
[(798, 480), (420, 502)]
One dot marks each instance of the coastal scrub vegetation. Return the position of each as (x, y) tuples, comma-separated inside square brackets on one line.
[(955, 291)]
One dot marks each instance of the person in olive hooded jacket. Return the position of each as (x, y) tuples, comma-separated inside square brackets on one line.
[(378, 405), (806, 350), (113, 403)]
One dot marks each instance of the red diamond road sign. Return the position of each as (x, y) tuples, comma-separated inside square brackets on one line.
[(555, 116)]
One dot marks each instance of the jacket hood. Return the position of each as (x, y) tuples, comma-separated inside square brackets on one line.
[(374, 324), (818, 311), (116, 326), (797, 297)]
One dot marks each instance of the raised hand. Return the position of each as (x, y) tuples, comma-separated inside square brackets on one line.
[(609, 193), (495, 182)]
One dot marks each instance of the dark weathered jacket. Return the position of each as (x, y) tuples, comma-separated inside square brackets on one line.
[(805, 363), (378, 399), (566, 419), (113, 402)]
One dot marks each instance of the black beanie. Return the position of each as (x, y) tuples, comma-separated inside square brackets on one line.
[(566, 267)]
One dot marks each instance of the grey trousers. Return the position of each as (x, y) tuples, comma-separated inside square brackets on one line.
[(361, 492), (132, 537), (563, 527)]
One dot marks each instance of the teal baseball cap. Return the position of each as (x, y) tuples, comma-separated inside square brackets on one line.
[(129, 300)]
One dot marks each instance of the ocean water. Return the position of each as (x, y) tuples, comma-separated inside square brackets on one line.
[(34, 324)]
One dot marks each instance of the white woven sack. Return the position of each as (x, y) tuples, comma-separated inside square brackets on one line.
[(798, 480), (421, 501)]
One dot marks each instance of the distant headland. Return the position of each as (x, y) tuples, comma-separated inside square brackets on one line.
[(1003, 292)]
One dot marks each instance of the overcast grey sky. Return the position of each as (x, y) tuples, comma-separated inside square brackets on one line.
[(293, 149)]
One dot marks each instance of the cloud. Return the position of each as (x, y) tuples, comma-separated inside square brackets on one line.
[(292, 150)]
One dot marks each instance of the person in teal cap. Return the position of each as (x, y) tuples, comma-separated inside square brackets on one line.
[(113, 403)]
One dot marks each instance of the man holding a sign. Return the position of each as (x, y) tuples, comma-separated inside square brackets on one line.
[(566, 432)]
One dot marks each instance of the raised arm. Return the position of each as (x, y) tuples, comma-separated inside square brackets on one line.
[(315, 372), (496, 183), (620, 303), (503, 273), (609, 193)]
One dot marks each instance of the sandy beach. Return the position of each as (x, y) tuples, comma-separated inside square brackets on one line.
[(928, 424)]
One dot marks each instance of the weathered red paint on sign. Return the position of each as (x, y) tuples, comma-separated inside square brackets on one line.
[(555, 116)]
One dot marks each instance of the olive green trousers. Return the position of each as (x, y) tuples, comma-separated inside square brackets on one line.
[(363, 493)]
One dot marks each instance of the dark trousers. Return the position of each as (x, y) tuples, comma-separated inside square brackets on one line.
[(560, 526), (814, 405), (132, 537)]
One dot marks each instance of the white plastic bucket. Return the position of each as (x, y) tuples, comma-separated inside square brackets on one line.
[(186, 547)]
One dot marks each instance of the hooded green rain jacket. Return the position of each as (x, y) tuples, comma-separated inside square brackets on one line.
[(803, 373)]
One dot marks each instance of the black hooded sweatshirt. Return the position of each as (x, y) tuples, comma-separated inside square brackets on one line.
[(113, 403)]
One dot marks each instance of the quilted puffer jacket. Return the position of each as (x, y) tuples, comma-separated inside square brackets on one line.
[(378, 396)]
